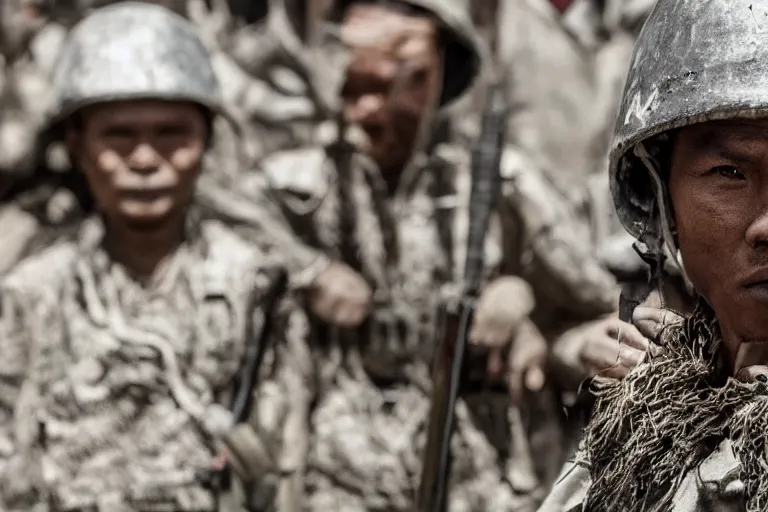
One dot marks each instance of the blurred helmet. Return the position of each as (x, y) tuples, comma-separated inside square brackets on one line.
[(462, 45), (133, 50)]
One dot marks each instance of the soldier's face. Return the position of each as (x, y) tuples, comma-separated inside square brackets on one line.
[(141, 159), (393, 79), (719, 191)]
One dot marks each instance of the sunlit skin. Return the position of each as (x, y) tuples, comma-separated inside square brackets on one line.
[(392, 81), (719, 191), (141, 160)]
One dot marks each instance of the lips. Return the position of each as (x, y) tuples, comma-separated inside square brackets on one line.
[(145, 194), (756, 284)]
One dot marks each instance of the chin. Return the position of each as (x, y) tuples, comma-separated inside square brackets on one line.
[(748, 320), (148, 223)]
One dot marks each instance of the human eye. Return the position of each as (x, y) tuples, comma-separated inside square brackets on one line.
[(173, 131), (729, 171)]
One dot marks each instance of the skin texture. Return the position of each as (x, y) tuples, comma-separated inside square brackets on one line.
[(141, 160), (393, 81), (719, 190)]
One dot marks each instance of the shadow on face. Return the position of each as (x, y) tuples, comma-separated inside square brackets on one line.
[(393, 78), (719, 190), (140, 158)]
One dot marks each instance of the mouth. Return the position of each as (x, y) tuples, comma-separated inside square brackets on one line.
[(145, 194), (756, 284)]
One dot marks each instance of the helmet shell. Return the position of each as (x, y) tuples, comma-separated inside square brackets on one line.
[(695, 61), (464, 51), (133, 50)]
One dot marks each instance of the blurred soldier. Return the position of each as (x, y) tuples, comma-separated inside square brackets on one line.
[(381, 236), (130, 352), (558, 139)]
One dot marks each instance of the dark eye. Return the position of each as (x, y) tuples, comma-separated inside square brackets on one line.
[(118, 132), (730, 172), (172, 131)]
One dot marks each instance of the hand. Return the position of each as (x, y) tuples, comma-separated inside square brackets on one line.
[(502, 307), (340, 296), (650, 321), (609, 347), (525, 362)]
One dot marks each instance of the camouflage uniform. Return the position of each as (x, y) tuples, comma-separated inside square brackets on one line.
[(560, 132), (127, 384), (115, 392), (368, 426), (568, 240), (548, 233)]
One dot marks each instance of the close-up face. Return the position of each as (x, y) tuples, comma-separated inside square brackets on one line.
[(719, 190), (141, 158), (393, 79)]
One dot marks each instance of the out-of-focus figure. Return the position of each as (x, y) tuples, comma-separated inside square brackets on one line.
[(145, 355), (378, 214)]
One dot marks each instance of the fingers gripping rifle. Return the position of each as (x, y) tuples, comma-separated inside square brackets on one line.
[(448, 370)]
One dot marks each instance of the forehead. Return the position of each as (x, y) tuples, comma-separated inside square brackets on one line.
[(712, 135), (370, 23), (142, 112)]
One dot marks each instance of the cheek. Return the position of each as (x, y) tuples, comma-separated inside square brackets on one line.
[(109, 162), (187, 160), (101, 167), (710, 229)]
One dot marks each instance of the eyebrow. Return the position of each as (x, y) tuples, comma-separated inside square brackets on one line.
[(728, 144)]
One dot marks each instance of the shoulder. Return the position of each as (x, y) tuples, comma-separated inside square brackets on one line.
[(303, 171), (569, 492), (43, 273), (236, 261)]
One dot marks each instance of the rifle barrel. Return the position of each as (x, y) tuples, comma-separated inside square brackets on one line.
[(448, 369)]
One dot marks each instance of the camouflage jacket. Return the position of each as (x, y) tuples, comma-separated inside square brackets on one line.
[(405, 244), (563, 134), (374, 381), (116, 393)]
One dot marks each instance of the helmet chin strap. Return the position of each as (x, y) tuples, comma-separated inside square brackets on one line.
[(661, 199)]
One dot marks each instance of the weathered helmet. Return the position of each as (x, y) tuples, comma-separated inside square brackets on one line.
[(133, 50), (463, 54), (695, 61)]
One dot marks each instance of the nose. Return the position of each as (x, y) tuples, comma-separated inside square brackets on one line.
[(144, 159), (365, 108)]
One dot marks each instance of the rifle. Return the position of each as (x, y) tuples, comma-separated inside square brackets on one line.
[(449, 371)]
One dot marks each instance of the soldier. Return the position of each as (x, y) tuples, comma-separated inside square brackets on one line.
[(556, 152), (130, 352), (686, 429), (381, 230)]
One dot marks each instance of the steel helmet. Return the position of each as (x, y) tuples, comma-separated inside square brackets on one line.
[(133, 50), (695, 61)]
